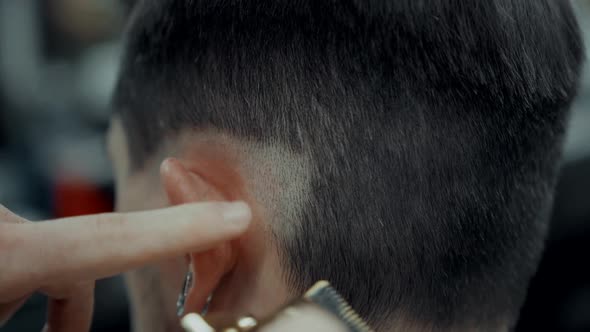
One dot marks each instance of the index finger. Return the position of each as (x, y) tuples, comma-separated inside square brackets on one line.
[(92, 247)]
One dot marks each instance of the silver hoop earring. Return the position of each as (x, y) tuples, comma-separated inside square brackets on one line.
[(206, 307), (186, 287)]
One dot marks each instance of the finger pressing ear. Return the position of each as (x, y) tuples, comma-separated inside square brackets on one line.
[(93, 247)]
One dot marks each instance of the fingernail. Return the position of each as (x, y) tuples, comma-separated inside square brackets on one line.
[(237, 213)]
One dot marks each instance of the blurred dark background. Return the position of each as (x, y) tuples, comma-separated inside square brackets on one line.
[(58, 64)]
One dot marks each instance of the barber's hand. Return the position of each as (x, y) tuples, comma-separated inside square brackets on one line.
[(62, 258)]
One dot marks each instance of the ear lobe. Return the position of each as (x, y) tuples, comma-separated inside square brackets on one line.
[(208, 268)]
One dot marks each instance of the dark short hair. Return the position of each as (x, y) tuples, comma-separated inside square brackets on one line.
[(434, 128)]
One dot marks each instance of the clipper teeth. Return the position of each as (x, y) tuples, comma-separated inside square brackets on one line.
[(324, 295)]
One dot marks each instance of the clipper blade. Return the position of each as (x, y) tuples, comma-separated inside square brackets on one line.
[(324, 295)]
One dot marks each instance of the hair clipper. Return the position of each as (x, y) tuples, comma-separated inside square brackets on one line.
[(321, 308)]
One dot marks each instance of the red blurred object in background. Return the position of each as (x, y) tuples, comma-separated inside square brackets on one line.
[(74, 196)]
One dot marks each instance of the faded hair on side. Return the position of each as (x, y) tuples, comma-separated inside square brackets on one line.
[(433, 131)]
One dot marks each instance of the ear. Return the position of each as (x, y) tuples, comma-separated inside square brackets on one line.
[(182, 185)]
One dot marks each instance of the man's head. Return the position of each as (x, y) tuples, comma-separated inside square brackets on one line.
[(404, 150)]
